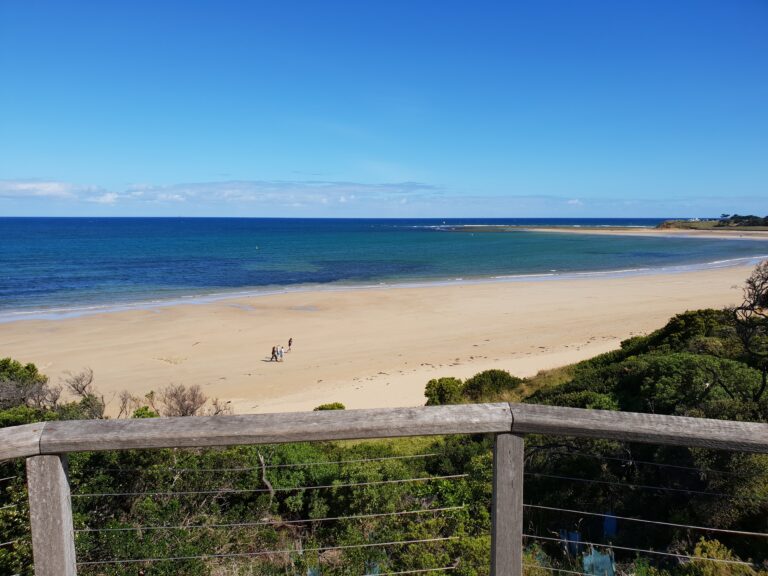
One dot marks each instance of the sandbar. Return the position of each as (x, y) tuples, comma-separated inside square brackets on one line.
[(721, 234)]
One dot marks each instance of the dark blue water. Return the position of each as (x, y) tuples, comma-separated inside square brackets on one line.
[(74, 263)]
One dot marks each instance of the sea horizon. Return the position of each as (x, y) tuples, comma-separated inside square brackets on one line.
[(650, 219)]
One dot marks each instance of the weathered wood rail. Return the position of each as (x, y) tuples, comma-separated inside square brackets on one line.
[(46, 445)]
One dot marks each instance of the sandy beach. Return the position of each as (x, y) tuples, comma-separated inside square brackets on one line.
[(365, 348), (722, 234)]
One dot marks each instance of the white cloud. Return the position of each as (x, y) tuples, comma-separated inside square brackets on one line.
[(36, 189), (280, 192), (171, 197), (345, 198), (263, 193), (106, 198)]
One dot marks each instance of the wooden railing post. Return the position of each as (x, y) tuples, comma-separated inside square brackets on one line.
[(50, 514), (507, 506)]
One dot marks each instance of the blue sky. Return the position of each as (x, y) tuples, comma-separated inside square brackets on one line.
[(384, 108)]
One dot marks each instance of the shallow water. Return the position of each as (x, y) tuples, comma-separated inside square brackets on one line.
[(67, 266)]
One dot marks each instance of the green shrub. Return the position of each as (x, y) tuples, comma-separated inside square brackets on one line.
[(490, 383), (442, 391), (144, 412), (14, 371), (330, 406), (715, 550)]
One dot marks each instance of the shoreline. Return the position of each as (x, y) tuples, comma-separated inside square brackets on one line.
[(64, 313), (725, 234), (362, 347)]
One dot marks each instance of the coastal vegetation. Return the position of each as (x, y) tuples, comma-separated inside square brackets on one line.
[(736, 220), (330, 406), (312, 498), (725, 222)]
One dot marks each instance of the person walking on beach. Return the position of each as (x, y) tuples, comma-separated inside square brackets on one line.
[(273, 358), (290, 343), (280, 353)]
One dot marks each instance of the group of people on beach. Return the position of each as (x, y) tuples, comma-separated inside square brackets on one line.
[(279, 351)]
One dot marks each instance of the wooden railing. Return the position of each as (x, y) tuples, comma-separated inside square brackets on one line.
[(46, 445)]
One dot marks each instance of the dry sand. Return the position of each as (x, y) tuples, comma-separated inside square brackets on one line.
[(365, 348), (722, 234)]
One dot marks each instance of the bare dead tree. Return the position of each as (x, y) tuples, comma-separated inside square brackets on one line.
[(152, 400), (10, 394), (751, 322), (128, 403), (220, 408), (175, 400), (178, 400), (33, 393), (47, 396), (79, 384), (14, 393)]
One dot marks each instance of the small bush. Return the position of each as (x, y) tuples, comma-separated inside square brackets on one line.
[(715, 550), (144, 412), (330, 406), (442, 391), (490, 384)]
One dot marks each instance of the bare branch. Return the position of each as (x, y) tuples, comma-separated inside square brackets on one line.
[(178, 400), (128, 403), (79, 384), (220, 408), (266, 482)]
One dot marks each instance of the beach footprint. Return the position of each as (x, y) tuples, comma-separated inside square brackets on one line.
[(173, 360)]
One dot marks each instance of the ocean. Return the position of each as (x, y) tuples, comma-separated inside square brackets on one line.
[(58, 267)]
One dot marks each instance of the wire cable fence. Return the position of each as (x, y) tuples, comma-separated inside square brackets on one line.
[(15, 540), (377, 514), (440, 504), (652, 522), (276, 522), (403, 514), (283, 465), (606, 514), (648, 487), (566, 451), (267, 552), (225, 491), (637, 550)]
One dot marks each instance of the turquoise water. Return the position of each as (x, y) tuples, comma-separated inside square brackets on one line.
[(65, 266)]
